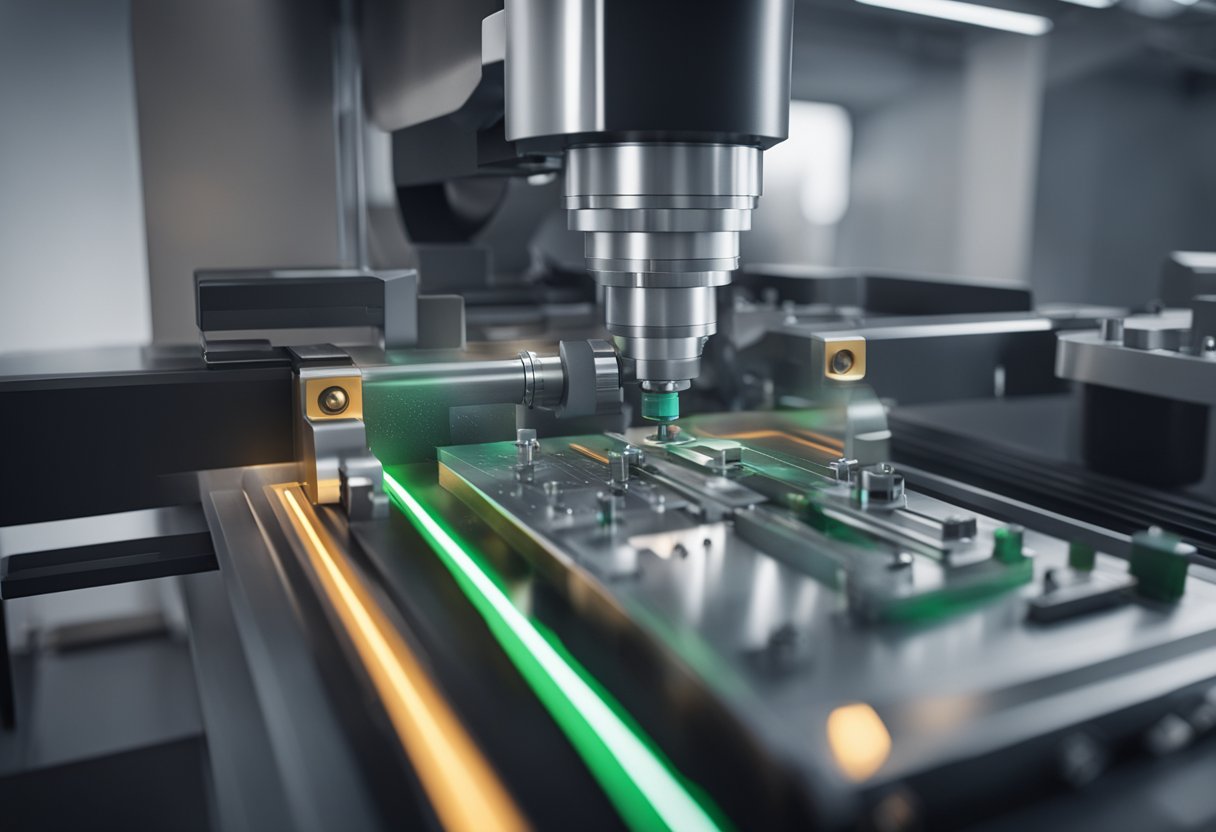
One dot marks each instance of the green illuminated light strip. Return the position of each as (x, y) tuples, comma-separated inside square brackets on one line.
[(638, 782)]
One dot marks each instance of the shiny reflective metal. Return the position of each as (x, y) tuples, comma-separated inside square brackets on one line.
[(335, 395), (575, 68), (526, 446), (841, 357), (662, 223), (554, 67), (544, 380), (334, 400), (331, 441), (1112, 329), (592, 378), (618, 470), (362, 488), (582, 380), (880, 484), (748, 601), (1169, 373)]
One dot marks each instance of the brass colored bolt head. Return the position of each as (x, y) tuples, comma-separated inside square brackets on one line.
[(842, 362), (333, 400)]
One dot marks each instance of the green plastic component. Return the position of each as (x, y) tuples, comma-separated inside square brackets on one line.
[(1159, 562), (660, 407), (1007, 544), (1081, 557), (988, 581)]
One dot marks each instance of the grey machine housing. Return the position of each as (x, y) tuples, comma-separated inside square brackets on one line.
[(659, 113)]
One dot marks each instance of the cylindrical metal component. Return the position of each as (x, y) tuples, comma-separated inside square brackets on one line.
[(1111, 328), (662, 223), (582, 380), (606, 501), (580, 67), (592, 378), (457, 382), (526, 446), (663, 134), (544, 380), (880, 484), (660, 406), (618, 470), (664, 175)]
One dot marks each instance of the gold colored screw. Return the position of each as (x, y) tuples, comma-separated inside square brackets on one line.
[(842, 362), (333, 400)]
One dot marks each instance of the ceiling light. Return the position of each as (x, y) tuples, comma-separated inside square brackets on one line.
[(1023, 24)]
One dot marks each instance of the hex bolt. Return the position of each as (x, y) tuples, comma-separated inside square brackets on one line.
[(333, 400)]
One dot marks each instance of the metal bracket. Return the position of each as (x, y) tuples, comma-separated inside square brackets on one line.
[(331, 438)]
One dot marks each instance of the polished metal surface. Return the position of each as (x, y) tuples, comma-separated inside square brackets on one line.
[(415, 407), (331, 441), (582, 379), (662, 223), (544, 381), (554, 67), (1147, 360), (575, 68), (737, 592)]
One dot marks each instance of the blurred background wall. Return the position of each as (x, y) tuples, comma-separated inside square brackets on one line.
[(72, 252), (73, 260)]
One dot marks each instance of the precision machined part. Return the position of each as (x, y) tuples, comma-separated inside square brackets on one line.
[(618, 471), (879, 484), (660, 405), (544, 380), (593, 378), (582, 380), (662, 223), (331, 438), (334, 400), (1111, 329), (526, 447)]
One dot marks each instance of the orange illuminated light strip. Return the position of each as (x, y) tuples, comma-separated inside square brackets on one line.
[(459, 782), (585, 451)]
